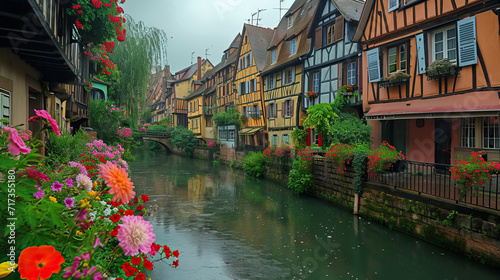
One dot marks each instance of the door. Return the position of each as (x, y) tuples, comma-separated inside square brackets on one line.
[(442, 139)]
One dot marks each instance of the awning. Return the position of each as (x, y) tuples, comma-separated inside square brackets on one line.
[(474, 104), (250, 130)]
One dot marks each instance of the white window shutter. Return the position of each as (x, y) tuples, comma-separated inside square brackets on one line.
[(373, 65), (419, 38), (393, 5), (467, 50)]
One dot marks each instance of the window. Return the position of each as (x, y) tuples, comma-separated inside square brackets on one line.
[(491, 135), (285, 139), (272, 110), (274, 140), (293, 46), (393, 5), (274, 56), (351, 73), (4, 105), (245, 112), (255, 112), (289, 75), (314, 82), (444, 44), (314, 137), (232, 134), (290, 21), (288, 107), (242, 88), (271, 81), (397, 58), (468, 133), (329, 36)]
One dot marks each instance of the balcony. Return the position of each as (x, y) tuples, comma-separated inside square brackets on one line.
[(41, 33)]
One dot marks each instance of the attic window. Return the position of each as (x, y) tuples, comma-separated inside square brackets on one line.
[(290, 21)]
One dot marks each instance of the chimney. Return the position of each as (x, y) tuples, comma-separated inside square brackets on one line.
[(199, 68)]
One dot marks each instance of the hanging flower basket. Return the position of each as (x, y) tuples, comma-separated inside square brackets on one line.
[(311, 94)]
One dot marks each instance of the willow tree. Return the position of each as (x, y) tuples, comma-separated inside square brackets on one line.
[(144, 49)]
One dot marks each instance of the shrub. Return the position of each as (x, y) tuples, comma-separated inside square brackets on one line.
[(184, 139), (65, 147), (349, 129), (300, 177), (254, 164), (229, 117), (105, 119), (299, 137)]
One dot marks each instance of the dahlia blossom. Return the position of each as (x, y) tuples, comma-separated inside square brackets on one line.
[(84, 181), (117, 179), (135, 235)]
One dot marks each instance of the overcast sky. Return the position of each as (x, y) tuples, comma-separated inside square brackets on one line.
[(197, 25)]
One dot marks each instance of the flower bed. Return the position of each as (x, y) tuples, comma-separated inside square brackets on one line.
[(81, 219)]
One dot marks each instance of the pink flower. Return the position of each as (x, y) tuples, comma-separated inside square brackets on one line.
[(135, 235), (69, 202), (44, 114), (16, 143), (57, 187)]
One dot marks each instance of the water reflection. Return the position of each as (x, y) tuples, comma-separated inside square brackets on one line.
[(229, 226)]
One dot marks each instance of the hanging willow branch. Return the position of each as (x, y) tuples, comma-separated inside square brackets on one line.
[(144, 49)]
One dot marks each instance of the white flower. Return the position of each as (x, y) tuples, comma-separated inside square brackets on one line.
[(84, 181)]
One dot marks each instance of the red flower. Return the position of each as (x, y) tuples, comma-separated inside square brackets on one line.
[(136, 260), (128, 269), (115, 231), (167, 251), (78, 24), (115, 218), (176, 253), (175, 263), (136, 199), (148, 265), (75, 7), (144, 198), (39, 262), (140, 276), (79, 12), (129, 213)]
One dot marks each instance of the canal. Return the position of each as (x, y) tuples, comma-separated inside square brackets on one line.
[(229, 226)]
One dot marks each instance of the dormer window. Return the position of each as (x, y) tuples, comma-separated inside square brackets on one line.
[(293, 46), (290, 21)]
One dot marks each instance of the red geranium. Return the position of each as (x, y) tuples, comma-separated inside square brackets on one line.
[(39, 262)]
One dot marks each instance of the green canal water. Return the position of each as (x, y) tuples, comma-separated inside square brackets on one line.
[(229, 226)]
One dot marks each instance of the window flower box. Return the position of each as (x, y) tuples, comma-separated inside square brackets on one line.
[(441, 68), (311, 94), (395, 79), (348, 90)]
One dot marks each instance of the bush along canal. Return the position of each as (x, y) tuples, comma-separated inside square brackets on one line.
[(228, 225)]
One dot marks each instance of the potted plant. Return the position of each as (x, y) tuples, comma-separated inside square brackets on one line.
[(311, 94), (441, 68), (473, 173), (348, 90)]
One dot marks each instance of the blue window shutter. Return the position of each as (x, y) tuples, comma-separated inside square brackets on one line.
[(255, 84), (373, 65), (283, 78), (393, 5), (467, 50), (419, 38), (251, 63), (239, 91), (293, 74)]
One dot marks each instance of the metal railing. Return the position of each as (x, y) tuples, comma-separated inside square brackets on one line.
[(250, 148), (435, 180), (151, 133)]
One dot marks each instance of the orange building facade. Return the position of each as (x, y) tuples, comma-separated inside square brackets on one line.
[(431, 82)]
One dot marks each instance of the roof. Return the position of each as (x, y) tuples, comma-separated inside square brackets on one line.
[(190, 70), (449, 106), (304, 11), (259, 39), (236, 42), (350, 9), (365, 15), (100, 81)]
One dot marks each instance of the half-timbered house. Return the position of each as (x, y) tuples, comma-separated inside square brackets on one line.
[(225, 71), (333, 60), (431, 81), (247, 81), (282, 74)]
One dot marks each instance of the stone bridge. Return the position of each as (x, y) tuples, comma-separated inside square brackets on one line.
[(161, 137)]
